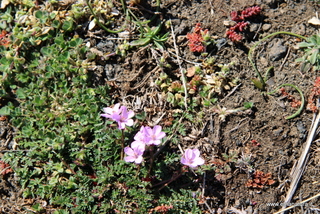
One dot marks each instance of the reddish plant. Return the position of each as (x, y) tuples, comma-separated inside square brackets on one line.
[(233, 33), (162, 208), (247, 13), (5, 168), (260, 180), (4, 38), (315, 92), (196, 39), (294, 102)]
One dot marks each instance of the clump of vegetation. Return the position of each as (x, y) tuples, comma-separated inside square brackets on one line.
[(260, 180), (199, 39), (206, 83), (311, 58), (241, 17)]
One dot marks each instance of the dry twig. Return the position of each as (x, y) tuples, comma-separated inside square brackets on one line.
[(180, 68)]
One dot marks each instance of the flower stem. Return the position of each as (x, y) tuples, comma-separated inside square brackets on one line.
[(122, 144), (151, 161)]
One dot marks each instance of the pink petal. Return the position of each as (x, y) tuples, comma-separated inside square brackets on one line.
[(189, 154), (199, 161), (129, 159), (129, 151), (129, 122), (161, 135), (196, 152), (130, 114), (138, 160), (157, 130)]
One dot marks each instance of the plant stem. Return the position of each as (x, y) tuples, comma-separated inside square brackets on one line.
[(122, 144), (151, 160), (301, 95), (261, 79), (167, 182)]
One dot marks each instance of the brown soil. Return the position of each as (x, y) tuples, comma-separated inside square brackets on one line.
[(274, 143)]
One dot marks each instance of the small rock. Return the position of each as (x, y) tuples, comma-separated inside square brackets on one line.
[(278, 51), (249, 210), (278, 131), (180, 39), (299, 29), (301, 127), (254, 27), (266, 27)]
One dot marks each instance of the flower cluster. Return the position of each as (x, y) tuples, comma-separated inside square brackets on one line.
[(197, 39), (119, 114), (147, 136), (233, 33)]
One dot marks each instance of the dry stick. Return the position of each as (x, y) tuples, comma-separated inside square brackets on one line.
[(300, 167), (285, 59), (231, 92), (180, 68), (298, 204)]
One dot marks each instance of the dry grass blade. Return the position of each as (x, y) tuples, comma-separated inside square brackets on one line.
[(300, 167), (180, 68), (298, 204)]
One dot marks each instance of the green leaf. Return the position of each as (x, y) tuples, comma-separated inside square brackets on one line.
[(76, 42), (46, 51), (140, 42), (55, 24), (67, 26), (314, 56), (158, 45), (304, 45), (20, 93), (59, 40), (248, 105), (39, 14), (5, 110), (257, 83)]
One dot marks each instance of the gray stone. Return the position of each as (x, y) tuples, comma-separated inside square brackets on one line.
[(278, 51)]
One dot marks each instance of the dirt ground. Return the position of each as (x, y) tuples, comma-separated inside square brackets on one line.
[(274, 143)]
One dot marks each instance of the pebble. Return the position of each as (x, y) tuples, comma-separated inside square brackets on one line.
[(266, 27), (278, 51), (299, 29)]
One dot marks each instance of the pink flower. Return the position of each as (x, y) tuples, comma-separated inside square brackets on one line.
[(155, 135), (124, 119), (191, 158), (110, 112), (149, 136), (120, 115), (142, 136), (134, 153)]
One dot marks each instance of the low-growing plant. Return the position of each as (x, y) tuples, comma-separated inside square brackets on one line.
[(260, 180), (311, 58), (241, 17), (199, 39)]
